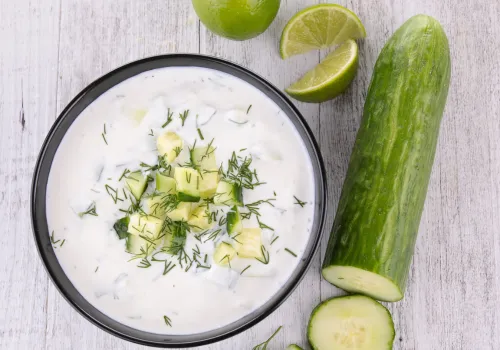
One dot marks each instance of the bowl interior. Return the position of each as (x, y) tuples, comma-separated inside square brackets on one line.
[(41, 174)]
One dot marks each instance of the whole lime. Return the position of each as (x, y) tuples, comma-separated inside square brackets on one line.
[(237, 19)]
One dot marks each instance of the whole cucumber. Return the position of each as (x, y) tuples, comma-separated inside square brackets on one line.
[(375, 229)]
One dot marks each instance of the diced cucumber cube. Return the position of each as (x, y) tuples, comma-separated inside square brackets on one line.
[(181, 213), (209, 183), (165, 184), (154, 205), (137, 183), (204, 157), (249, 243), (188, 184), (224, 253), (228, 193), (233, 222), (199, 220), (135, 243), (121, 227), (145, 225), (169, 145)]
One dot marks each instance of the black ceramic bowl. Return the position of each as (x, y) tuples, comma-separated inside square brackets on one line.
[(39, 189)]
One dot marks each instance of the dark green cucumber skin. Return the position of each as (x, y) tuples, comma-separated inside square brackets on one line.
[(121, 227), (382, 199)]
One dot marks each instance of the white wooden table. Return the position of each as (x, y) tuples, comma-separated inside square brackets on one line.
[(51, 49)]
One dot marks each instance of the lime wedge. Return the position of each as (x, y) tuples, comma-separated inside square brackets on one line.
[(319, 26), (330, 77)]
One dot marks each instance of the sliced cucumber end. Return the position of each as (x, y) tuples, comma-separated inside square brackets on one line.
[(351, 322), (356, 280)]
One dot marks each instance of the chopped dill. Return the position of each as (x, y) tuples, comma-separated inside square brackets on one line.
[(52, 239), (184, 116), (167, 320), (274, 239), (168, 267), (249, 108), (97, 268), (104, 134), (289, 251), (299, 202), (169, 118), (91, 210), (200, 134), (246, 268), (124, 174), (263, 346), (151, 133), (265, 255), (264, 226)]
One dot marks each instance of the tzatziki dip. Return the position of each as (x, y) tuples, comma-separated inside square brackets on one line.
[(180, 200)]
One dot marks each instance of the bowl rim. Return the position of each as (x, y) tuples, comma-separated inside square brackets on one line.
[(44, 161)]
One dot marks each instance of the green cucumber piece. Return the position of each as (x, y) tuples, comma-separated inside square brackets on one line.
[(121, 227), (135, 243), (203, 157), (137, 183), (293, 347), (230, 194), (165, 184), (233, 221), (188, 184), (375, 229), (350, 322)]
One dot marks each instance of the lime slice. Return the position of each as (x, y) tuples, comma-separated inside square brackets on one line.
[(319, 27), (330, 77)]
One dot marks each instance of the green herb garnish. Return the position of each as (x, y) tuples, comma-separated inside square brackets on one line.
[(289, 251), (184, 116), (299, 202), (91, 210), (169, 118), (200, 134), (167, 320), (263, 346), (246, 268), (249, 108), (265, 255)]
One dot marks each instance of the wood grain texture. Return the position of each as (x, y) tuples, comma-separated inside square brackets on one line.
[(53, 49)]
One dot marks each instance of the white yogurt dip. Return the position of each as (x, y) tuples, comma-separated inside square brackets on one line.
[(118, 131)]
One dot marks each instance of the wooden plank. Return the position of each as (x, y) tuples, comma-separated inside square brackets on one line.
[(28, 69), (453, 285), (261, 55), (96, 37)]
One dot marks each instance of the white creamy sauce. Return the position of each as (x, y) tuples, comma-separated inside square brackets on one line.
[(95, 259)]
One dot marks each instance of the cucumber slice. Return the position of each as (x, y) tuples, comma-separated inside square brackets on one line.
[(224, 253), (137, 183), (350, 322), (293, 347), (356, 280), (169, 145), (203, 157), (228, 193), (165, 184), (209, 183), (199, 220), (135, 243), (121, 227), (181, 213), (188, 184), (249, 243), (233, 222), (145, 225)]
